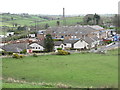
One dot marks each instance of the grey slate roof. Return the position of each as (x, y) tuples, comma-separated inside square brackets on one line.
[(15, 47), (58, 43), (88, 40), (70, 41), (73, 29)]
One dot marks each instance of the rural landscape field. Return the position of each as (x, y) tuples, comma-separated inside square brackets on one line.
[(59, 44), (76, 70)]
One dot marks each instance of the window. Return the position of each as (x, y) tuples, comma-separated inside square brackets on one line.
[(39, 47), (36, 47)]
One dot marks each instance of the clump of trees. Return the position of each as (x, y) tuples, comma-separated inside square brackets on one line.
[(48, 43), (116, 22), (92, 19)]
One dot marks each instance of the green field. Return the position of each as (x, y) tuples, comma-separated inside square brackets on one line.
[(76, 70), (30, 20)]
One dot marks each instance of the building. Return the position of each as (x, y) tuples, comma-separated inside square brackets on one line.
[(10, 33), (15, 48), (74, 32)]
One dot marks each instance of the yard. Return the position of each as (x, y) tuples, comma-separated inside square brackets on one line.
[(75, 70)]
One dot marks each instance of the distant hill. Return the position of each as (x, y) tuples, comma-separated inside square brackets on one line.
[(9, 20)]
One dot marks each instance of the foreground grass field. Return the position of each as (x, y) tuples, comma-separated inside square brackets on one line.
[(76, 70)]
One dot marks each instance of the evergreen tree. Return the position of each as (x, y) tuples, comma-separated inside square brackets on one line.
[(48, 43)]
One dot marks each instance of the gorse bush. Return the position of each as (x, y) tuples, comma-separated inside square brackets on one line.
[(62, 52), (15, 55)]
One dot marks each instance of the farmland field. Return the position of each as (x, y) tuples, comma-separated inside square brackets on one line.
[(75, 70)]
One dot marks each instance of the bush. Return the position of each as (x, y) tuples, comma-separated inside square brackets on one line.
[(21, 56), (62, 52), (16, 56), (10, 53), (4, 53), (59, 48), (23, 52), (35, 55)]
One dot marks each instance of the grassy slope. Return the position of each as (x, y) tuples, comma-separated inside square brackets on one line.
[(31, 20), (77, 70), (16, 85)]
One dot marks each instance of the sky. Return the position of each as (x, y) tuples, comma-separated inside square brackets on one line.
[(55, 7)]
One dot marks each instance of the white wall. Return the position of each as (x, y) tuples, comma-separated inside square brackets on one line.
[(80, 44), (37, 47), (55, 47), (68, 45)]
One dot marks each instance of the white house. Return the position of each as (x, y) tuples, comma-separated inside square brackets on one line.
[(32, 35), (80, 44), (58, 44), (36, 46), (10, 33)]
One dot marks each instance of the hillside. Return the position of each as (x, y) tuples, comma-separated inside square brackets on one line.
[(32, 20)]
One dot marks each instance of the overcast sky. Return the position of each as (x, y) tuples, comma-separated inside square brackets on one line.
[(72, 7)]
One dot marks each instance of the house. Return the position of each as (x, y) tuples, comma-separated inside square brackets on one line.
[(86, 42), (15, 48), (58, 44), (74, 32), (36, 47), (32, 35), (10, 33), (41, 34), (3, 36)]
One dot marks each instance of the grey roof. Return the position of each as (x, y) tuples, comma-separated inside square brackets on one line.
[(15, 47), (88, 40), (70, 41), (72, 29), (58, 43), (95, 38), (39, 42)]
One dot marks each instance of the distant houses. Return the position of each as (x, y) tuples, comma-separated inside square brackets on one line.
[(71, 37)]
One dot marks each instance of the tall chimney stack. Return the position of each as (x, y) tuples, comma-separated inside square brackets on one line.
[(64, 20)]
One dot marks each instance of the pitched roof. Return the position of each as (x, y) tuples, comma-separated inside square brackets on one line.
[(39, 42), (15, 47), (74, 29), (70, 41), (88, 40), (58, 43)]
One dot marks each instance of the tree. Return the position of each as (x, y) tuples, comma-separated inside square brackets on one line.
[(96, 19), (116, 22), (58, 23), (46, 26), (48, 43), (92, 19)]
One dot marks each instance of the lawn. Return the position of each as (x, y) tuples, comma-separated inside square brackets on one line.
[(76, 70)]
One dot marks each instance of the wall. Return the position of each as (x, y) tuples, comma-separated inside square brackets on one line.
[(39, 47), (80, 44)]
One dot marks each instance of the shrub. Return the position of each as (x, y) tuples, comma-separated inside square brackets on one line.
[(21, 56), (62, 52), (59, 48), (10, 53), (16, 56), (23, 52), (35, 55), (4, 53)]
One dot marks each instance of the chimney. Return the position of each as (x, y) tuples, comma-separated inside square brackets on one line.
[(64, 20)]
